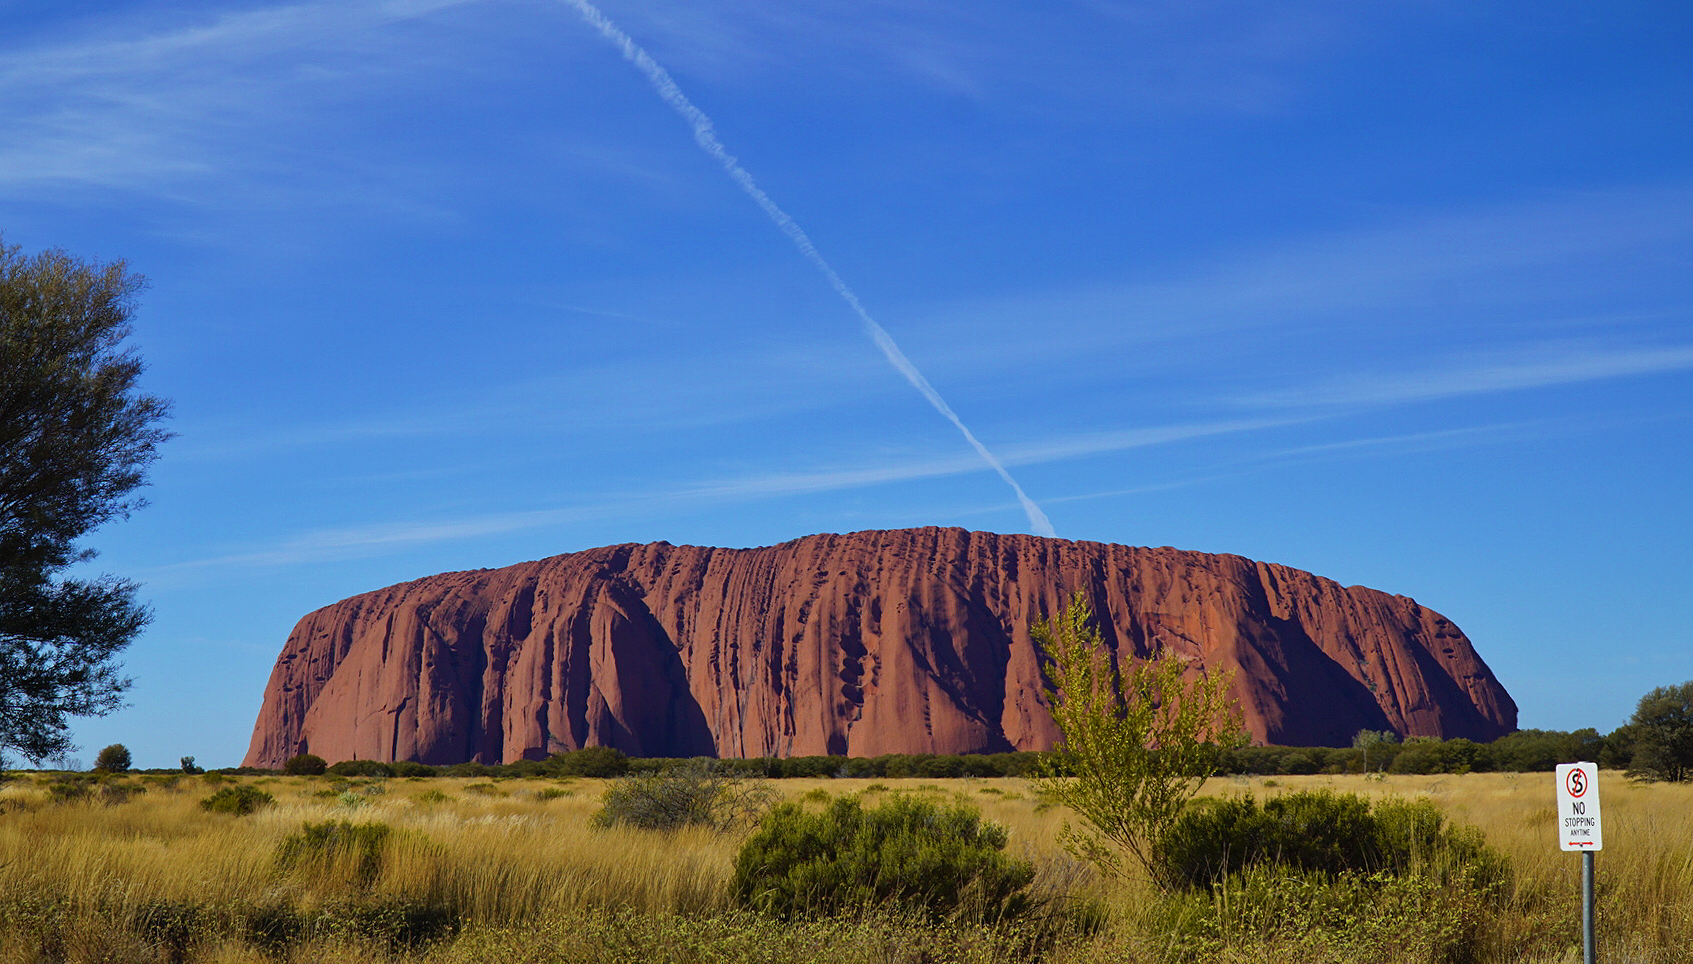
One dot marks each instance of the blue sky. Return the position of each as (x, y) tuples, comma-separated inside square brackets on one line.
[(1395, 292)]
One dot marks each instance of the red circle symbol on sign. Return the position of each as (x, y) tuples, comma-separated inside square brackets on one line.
[(1576, 781)]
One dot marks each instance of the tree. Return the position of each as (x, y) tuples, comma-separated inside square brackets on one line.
[(113, 759), (1138, 741), (590, 761), (76, 437), (305, 765), (1365, 739), (1662, 733)]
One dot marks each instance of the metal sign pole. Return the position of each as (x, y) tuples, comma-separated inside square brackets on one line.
[(1589, 950), (1579, 828)]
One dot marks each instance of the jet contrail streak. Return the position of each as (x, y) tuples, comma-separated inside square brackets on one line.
[(706, 136)]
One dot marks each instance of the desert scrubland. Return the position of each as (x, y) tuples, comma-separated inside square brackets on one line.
[(514, 870)]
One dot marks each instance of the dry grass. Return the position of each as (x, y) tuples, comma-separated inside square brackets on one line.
[(528, 879)]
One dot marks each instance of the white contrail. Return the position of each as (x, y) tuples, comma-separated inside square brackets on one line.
[(706, 137)]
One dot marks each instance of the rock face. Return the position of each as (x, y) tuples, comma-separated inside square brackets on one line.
[(909, 641)]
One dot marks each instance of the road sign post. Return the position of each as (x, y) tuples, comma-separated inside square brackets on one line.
[(1579, 828)]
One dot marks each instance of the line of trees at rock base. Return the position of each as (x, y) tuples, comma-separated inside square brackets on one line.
[(1525, 751)]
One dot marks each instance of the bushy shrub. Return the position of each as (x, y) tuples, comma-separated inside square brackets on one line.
[(590, 761), (1276, 914), (318, 846), (411, 768), (361, 768), (1428, 755), (697, 794), (113, 759), (305, 765), (1316, 832), (239, 800), (906, 854), (468, 770), (190, 768)]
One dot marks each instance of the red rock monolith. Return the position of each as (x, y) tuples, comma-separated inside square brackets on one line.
[(906, 641)]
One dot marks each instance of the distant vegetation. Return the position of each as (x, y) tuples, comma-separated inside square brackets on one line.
[(1525, 751)]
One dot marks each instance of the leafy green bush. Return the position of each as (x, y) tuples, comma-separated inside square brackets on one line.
[(468, 770), (697, 794), (305, 765), (361, 768), (239, 800), (317, 846), (410, 768), (1317, 832), (907, 854), (1275, 914), (590, 761), (113, 759)]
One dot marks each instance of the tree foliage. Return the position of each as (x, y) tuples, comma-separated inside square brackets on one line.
[(305, 765), (113, 759), (1139, 740), (1662, 733), (76, 437)]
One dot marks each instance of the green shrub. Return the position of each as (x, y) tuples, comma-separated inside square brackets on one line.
[(696, 794), (361, 768), (553, 793), (1275, 914), (113, 759), (238, 800), (305, 765), (590, 761), (1429, 755), (116, 793), (468, 770), (484, 790), (1320, 833), (316, 846), (431, 796), (409, 768), (907, 854)]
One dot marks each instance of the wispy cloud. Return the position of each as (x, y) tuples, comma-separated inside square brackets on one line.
[(1369, 447), (1505, 268), (1542, 367), (144, 103), (363, 541)]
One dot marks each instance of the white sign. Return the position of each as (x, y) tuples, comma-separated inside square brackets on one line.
[(1578, 807)]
